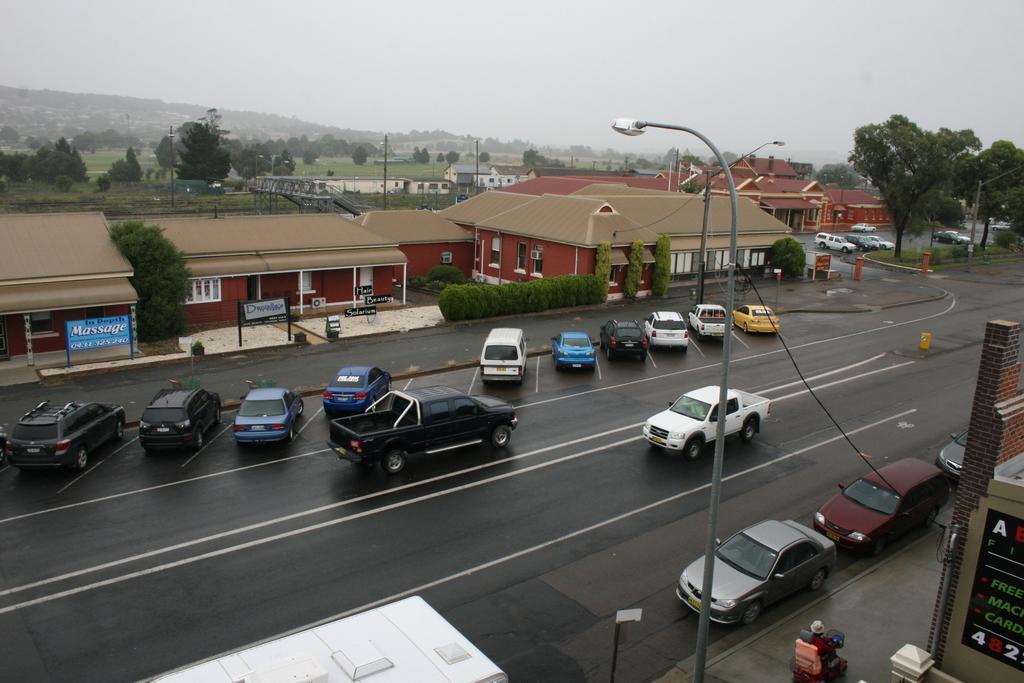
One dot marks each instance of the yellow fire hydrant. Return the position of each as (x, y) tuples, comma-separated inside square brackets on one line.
[(926, 341)]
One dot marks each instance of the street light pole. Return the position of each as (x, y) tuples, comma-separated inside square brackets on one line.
[(476, 177), (170, 134), (385, 171), (634, 127)]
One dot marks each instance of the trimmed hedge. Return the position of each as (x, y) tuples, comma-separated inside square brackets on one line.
[(469, 302)]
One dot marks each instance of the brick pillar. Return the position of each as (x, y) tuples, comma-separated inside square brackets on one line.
[(995, 434)]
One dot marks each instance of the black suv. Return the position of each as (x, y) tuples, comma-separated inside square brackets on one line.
[(623, 337), (178, 418), (53, 435)]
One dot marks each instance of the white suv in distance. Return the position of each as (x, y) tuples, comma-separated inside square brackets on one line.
[(667, 329), (863, 227), (827, 241)]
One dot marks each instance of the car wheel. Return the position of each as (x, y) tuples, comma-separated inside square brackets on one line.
[(291, 434), (930, 519), (394, 461), (749, 429), (216, 418), (746, 328), (684, 348), (692, 449), (818, 579), (81, 459), (119, 430), (608, 352), (821, 244), (751, 613), (846, 250), (302, 406), (879, 545), (197, 439), (500, 436)]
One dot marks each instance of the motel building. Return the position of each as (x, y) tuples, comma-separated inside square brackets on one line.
[(59, 268), (314, 260)]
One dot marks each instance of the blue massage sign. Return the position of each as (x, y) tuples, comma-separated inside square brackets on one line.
[(98, 333), (995, 618)]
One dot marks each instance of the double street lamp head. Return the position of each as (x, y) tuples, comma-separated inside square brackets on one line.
[(629, 126)]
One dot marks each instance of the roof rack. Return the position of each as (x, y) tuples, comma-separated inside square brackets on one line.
[(41, 404)]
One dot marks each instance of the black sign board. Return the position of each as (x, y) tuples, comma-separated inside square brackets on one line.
[(378, 299), (364, 290), (362, 310), (995, 619)]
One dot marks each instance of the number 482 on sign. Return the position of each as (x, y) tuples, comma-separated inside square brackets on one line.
[(997, 645)]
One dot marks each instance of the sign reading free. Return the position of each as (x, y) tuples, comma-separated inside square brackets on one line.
[(263, 312), (98, 333)]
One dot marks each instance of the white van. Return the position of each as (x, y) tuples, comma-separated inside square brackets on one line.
[(405, 641), (503, 358)]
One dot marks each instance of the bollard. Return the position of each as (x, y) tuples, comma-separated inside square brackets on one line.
[(926, 341), (858, 268), (926, 260)]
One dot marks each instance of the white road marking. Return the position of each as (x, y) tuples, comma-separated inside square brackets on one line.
[(846, 379), (68, 485), (537, 373), (406, 503), (4, 468), (160, 486), (310, 420), (597, 364), (696, 346), (473, 381), (651, 358), (737, 338), (120, 448), (408, 383), (196, 454), (844, 368)]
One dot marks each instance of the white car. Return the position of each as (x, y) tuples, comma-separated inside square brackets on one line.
[(882, 244), (827, 240), (863, 227), (667, 329), (1000, 225)]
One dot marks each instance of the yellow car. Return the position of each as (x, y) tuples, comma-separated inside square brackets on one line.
[(755, 319)]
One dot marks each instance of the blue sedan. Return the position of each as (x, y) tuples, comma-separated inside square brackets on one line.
[(573, 350), (267, 415), (354, 388)]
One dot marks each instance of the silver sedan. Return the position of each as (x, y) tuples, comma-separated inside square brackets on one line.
[(758, 566)]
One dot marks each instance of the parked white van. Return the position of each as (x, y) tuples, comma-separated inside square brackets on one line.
[(837, 242), (404, 641), (503, 358)]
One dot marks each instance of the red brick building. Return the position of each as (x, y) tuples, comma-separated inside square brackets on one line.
[(849, 207), (314, 259), (57, 267), (426, 239)]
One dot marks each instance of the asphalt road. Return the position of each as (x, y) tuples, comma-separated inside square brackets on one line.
[(146, 563)]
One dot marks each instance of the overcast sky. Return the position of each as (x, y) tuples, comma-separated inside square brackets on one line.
[(549, 71)]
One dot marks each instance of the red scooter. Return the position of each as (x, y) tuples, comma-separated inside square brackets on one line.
[(815, 659)]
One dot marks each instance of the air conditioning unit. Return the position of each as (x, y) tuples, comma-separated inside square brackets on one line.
[(446, 257), (536, 254), (319, 301)]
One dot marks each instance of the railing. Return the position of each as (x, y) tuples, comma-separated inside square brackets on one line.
[(305, 190)]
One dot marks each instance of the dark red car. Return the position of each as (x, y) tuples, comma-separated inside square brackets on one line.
[(877, 508)]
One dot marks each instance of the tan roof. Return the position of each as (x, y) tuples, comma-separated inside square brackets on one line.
[(408, 227), (681, 213), (53, 296), (56, 246), (283, 262), (692, 242), (484, 206), (573, 220), (250, 234), (609, 189)]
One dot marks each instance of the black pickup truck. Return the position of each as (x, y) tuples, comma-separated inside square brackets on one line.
[(430, 420)]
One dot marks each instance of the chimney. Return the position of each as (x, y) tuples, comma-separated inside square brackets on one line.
[(771, 162), (995, 434)]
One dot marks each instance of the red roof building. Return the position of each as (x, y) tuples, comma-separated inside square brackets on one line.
[(849, 207)]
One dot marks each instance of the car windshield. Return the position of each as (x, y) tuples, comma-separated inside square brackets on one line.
[(575, 342), (961, 440), (748, 556), (668, 324), (500, 352), (261, 407), (163, 415), (36, 432), (350, 381), (872, 496), (691, 407)]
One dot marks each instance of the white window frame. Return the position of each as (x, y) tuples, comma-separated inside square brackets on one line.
[(521, 255), (306, 282), (537, 263), (204, 290), (495, 249)]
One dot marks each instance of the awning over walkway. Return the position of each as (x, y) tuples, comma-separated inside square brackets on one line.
[(692, 242), (621, 258), (55, 296), (255, 264), (788, 204)]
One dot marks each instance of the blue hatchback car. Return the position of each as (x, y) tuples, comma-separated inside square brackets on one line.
[(573, 350), (267, 415), (354, 388)]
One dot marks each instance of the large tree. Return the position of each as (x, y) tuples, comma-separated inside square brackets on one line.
[(9, 135), (161, 278), (126, 170), (359, 155), (840, 175), (1000, 168), (63, 160), (203, 154), (907, 163)]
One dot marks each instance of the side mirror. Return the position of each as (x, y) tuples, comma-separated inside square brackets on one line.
[(554, 339), (953, 435), (778, 575), (841, 486), (670, 404), (718, 541)]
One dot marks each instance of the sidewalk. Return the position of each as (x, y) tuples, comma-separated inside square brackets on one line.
[(880, 609)]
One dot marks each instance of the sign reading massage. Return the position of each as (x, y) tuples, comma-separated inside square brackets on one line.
[(98, 333), (262, 312), (995, 618)]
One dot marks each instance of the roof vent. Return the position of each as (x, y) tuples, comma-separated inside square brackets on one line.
[(361, 659), (452, 653), (301, 668)]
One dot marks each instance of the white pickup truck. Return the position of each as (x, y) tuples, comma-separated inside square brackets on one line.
[(691, 420), (707, 320)]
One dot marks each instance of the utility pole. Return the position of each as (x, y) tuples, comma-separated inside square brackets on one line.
[(704, 237), (385, 171), (170, 134), (476, 178)]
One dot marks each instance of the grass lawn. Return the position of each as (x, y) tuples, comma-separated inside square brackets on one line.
[(942, 257)]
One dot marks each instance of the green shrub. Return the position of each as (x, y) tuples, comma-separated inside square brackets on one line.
[(603, 266), (449, 274), (788, 255), (662, 266), (1007, 239), (63, 183), (470, 301), (634, 270), (103, 183)]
